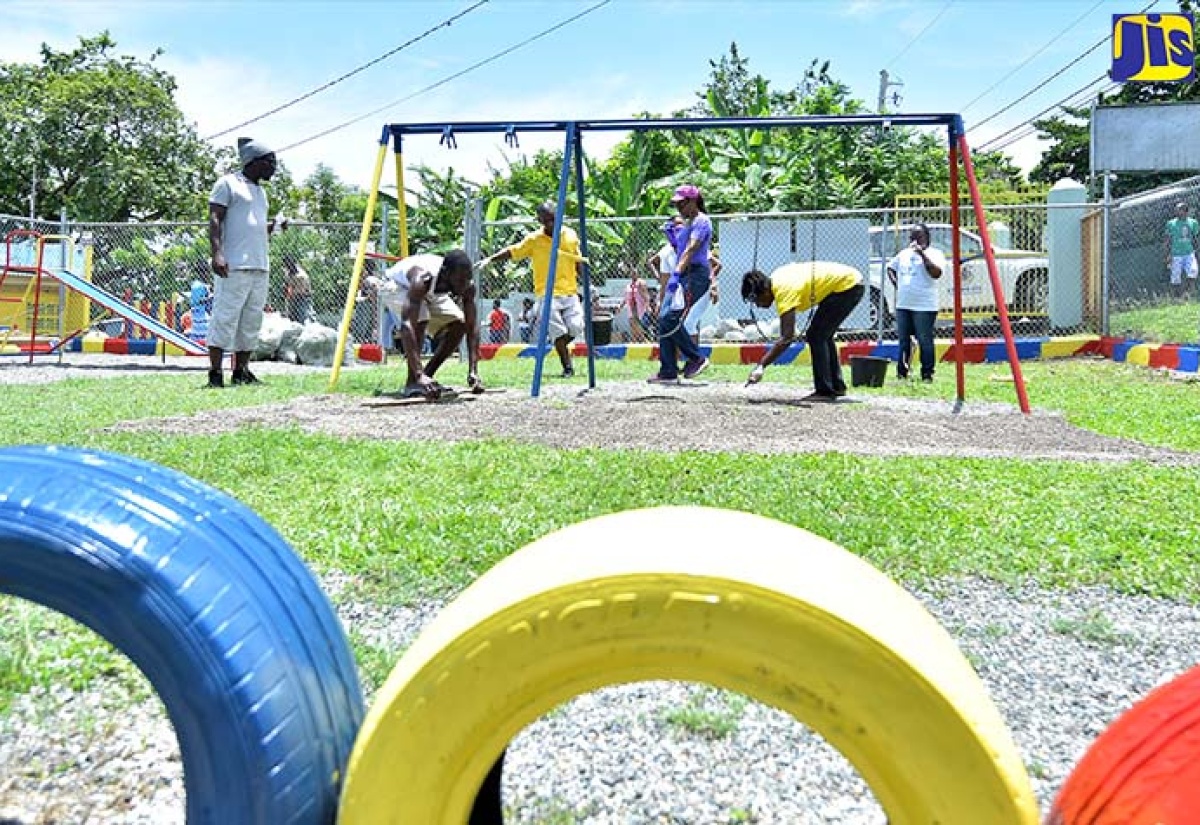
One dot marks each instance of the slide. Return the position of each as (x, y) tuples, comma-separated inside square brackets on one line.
[(114, 304)]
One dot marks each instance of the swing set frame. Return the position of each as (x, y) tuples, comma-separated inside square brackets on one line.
[(573, 130)]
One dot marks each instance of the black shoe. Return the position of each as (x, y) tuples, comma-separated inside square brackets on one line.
[(926, 379), (839, 393), (216, 380), (820, 398), (242, 377), (568, 372)]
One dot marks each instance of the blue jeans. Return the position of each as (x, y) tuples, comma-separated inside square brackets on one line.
[(919, 323), (673, 339)]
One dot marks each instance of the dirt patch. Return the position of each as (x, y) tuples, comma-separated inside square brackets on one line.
[(710, 417)]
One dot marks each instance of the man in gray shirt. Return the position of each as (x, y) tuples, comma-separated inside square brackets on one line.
[(237, 232)]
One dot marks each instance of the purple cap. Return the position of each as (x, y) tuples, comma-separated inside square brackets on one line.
[(686, 192)]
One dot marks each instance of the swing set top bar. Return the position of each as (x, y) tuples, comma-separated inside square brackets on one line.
[(951, 121)]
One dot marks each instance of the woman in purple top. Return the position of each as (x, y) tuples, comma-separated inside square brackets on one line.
[(687, 283)]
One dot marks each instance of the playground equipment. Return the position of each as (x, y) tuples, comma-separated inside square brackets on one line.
[(572, 167), (257, 676), (790, 619), (54, 305), (1143, 770), (30, 302), (230, 628)]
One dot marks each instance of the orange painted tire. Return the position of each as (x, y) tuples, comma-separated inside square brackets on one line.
[(1145, 768)]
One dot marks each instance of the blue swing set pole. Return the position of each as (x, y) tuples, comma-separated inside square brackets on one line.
[(589, 331), (548, 299)]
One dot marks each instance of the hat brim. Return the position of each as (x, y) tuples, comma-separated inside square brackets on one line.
[(678, 199)]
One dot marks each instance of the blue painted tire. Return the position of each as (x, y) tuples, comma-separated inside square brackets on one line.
[(213, 606)]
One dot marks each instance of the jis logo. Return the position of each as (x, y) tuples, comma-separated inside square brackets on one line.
[(1153, 47)]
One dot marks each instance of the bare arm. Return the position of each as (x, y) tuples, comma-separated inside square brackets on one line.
[(655, 264), (714, 264), (470, 313), (503, 255), (216, 226), (933, 269), (412, 330), (685, 258), (787, 334)]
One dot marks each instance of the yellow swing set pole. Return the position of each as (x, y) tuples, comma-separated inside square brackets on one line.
[(401, 206), (360, 259)]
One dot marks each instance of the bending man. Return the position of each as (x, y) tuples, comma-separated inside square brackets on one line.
[(834, 289), (420, 291)]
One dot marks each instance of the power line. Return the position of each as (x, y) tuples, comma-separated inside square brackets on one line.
[(1029, 127), (444, 24), (446, 80), (918, 35), (997, 143), (1052, 77), (1031, 57)]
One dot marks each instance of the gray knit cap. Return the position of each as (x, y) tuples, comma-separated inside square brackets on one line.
[(251, 150)]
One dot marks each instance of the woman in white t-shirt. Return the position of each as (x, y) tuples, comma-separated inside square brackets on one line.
[(916, 270)]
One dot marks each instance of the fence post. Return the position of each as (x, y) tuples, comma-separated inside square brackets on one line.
[(1065, 247), (1106, 251)]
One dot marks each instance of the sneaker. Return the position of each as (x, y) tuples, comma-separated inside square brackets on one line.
[(695, 367), (568, 372), (216, 380), (242, 377), (927, 379), (658, 378)]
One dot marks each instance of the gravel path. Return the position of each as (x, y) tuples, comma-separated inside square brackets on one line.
[(1060, 665)]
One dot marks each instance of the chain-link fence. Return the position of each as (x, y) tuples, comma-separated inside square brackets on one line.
[(1142, 300), (161, 269), (619, 248)]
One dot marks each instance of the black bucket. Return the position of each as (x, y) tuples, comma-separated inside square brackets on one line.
[(867, 370), (602, 329)]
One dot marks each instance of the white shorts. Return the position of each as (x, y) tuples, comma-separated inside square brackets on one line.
[(566, 317), (237, 310), (438, 311), (1181, 264)]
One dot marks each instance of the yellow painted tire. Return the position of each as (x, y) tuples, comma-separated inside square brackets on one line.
[(730, 599)]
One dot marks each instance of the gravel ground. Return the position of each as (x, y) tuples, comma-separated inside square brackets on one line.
[(1060, 665)]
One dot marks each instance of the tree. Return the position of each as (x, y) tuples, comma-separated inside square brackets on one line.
[(102, 137), (435, 223), (325, 198)]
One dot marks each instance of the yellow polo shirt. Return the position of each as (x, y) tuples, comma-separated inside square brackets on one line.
[(802, 285), (536, 247)]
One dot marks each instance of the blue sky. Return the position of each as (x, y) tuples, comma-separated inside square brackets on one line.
[(234, 61)]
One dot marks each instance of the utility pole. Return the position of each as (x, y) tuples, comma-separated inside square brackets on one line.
[(885, 83)]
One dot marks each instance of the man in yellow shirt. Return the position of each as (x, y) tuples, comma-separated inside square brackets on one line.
[(566, 312), (834, 289)]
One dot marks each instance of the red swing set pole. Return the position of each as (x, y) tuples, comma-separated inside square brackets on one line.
[(993, 273)]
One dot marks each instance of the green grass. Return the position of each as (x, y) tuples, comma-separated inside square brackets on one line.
[(708, 713), (1167, 323), (39, 648), (420, 521), (1095, 627)]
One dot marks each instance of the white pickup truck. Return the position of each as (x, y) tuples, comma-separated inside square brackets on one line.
[(1024, 275)]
